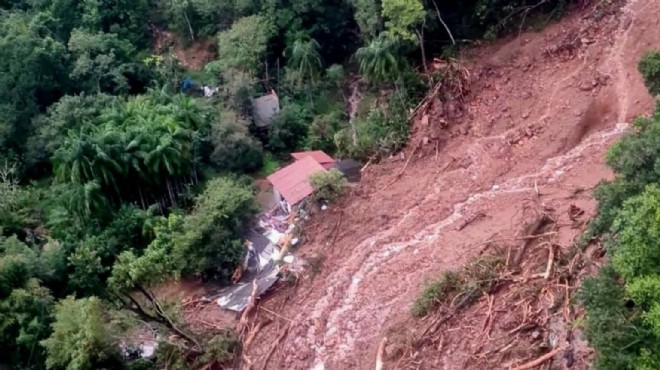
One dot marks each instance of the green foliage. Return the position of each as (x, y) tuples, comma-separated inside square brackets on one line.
[(244, 46), (402, 16), (626, 335), (379, 60), (323, 129), (211, 238), (289, 128), (271, 164), (614, 330), (80, 339), (382, 132), (304, 61), (460, 289), (234, 148), (101, 61), (435, 292), (25, 317), (637, 227), (328, 185), (367, 16), (649, 67)]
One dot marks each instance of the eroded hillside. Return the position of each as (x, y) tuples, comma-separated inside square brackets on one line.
[(529, 140)]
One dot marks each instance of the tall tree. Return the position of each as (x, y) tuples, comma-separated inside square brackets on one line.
[(378, 61)]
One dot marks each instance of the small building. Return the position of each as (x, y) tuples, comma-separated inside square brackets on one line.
[(291, 184), (265, 108), (318, 155)]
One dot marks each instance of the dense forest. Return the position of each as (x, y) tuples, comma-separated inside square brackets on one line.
[(623, 300), (113, 179)]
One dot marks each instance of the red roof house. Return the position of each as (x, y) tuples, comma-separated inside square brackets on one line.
[(292, 182), (318, 155)]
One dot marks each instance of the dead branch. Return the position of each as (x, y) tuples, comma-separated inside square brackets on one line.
[(489, 317), (551, 259), (274, 313), (245, 317), (403, 169), (470, 220), (435, 324), (274, 346), (443, 23), (381, 352), (250, 338), (530, 234), (540, 360)]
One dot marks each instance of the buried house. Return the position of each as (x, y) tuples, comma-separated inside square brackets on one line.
[(291, 183)]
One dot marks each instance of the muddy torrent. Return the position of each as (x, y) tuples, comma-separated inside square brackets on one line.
[(537, 124)]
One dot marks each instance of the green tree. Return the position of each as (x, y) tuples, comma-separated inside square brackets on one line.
[(378, 61), (305, 61), (289, 128), (649, 67), (367, 16), (80, 340), (25, 317), (101, 61), (244, 46), (402, 17), (328, 185), (32, 73), (234, 148)]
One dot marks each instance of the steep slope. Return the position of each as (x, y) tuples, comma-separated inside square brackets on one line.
[(531, 136)]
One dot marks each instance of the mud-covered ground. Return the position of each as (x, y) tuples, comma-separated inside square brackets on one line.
[(531, 135)]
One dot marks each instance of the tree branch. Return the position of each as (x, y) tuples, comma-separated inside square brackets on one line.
[(443, 23), (165, 320)]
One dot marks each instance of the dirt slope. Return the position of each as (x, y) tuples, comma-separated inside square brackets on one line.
[(543, 109)]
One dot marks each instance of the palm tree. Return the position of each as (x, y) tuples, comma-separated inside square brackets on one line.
[(305, 60), (378, 61), (74, 160)]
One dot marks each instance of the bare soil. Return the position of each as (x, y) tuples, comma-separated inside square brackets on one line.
[(529, 139), (193, 56)]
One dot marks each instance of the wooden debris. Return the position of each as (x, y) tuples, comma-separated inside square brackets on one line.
[(530, 234), (245, 317), (540, 360), (470, 220), (381, 352), (274, 346)]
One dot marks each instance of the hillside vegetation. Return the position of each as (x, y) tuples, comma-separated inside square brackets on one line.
[(623, 304), (113, 180)]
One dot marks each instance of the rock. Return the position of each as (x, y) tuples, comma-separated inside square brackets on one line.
[(464, 130), (536, 334), (586, 87), (495, 187), (529, 132), (578, 112), (525, 115), (425, 120), (425, 140)]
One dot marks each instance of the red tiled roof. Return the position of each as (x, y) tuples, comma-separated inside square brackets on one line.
[(318, 156), (292, 182)]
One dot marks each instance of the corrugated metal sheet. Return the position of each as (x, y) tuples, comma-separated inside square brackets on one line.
[(292, 182)]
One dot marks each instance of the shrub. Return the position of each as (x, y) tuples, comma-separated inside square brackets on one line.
[(328, 185), (234, 148), (436, 292), (649, 67), (289, 128)]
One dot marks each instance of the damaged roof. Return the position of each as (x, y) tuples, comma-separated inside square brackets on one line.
[(292, 182), (318, 155)]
